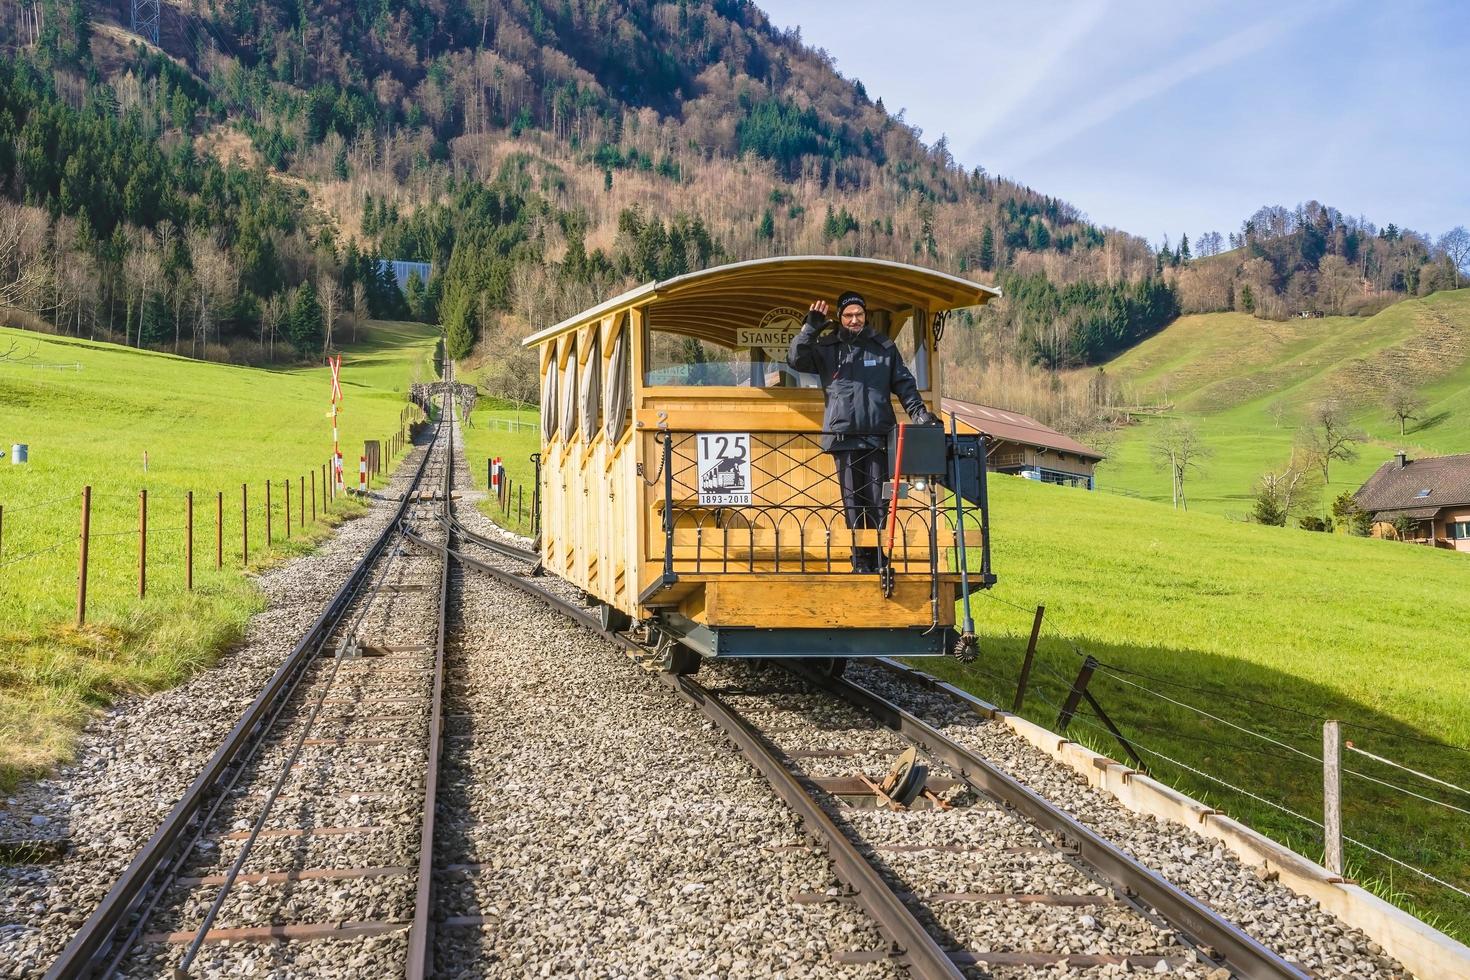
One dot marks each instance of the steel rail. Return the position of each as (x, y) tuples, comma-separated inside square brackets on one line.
[(505, 548), (913, 945), (93, 942), (1243, 954), (420, 962)]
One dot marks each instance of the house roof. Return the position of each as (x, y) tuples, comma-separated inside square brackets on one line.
[(1014, 427), (713, 303), (1401, 488)]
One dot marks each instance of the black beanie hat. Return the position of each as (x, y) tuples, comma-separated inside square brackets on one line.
[(849, 298)]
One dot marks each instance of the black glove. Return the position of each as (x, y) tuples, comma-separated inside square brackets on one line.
[(817, 321), (927, 417)]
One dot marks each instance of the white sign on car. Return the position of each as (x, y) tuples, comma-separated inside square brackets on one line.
[(724, 469)]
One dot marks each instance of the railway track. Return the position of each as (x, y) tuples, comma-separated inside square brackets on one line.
[(350, 776), (305, 823)]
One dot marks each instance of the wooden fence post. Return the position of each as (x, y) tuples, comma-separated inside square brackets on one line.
[(1332, 794), (189, 541), (142, 542), (287, 481), (1074, 696), (219, 529), (1026, 664), (267, 515), (82, 556), (300, 501), (313, 496), (244, 524)]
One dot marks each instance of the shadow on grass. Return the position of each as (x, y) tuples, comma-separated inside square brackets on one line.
[(1431, 421), (1257, 734)]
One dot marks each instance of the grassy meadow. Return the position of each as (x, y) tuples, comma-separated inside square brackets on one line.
[(512, 432), (206, 428), (1226, 371), (1269, 629)]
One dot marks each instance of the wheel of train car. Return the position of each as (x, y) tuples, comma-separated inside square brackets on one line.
[(612, 619), (831, 666)]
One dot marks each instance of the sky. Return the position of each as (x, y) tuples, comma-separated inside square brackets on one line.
[(1170, 118)]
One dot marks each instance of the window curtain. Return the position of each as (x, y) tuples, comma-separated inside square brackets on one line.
[(619, 395), (548, 402), (592, 390), (569, 396)]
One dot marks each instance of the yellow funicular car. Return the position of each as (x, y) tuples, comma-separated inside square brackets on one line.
[(683, 484)]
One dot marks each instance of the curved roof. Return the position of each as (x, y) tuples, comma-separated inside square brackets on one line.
[(711, 303)]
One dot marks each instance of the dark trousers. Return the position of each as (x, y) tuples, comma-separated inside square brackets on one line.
[(861, 473)]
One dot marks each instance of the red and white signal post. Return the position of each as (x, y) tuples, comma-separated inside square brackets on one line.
[(336, 365)]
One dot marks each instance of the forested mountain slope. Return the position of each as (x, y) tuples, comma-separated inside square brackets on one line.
[(233, 186), (540, 155)]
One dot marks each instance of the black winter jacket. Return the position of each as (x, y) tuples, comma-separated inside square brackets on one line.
[(860, 375)]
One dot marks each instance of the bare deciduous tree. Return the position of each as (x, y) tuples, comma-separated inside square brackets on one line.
[(1455, 243), (1331, 438), (272, 314), (1294, 490), (1403, 403), (329, 294), (24, 279), (1178, 449), (12, 352), (1278, 411), (359, 307), (214, 276)]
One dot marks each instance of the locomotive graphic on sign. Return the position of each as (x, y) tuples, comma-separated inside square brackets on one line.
[(724, 469)]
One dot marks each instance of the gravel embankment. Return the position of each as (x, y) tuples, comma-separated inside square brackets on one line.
[(135, 760)]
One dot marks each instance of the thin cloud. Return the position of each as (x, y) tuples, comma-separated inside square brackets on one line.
[(1140, 88), (1004, 99)]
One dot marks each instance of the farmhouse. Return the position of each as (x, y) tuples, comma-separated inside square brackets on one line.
[(1433, 494), (1023, 446)]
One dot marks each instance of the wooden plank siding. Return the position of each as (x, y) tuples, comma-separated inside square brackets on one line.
[(602, 503)]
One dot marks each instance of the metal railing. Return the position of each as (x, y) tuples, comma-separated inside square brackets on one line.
[(794, 517)]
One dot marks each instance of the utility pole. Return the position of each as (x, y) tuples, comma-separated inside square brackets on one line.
[(145, 19)]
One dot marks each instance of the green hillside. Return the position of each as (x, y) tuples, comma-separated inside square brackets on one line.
[(89, 411), (1259, 627), (1226, 372)]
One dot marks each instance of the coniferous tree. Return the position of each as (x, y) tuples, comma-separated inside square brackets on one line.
[(304, 326), (987, 249)]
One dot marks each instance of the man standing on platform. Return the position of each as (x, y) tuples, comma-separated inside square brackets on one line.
[(861, 370)]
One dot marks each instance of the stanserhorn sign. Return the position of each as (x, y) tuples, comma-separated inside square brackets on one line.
[(775, 332)]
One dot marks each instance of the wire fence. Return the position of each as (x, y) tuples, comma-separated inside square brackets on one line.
[(1189, 732), (108, 544)]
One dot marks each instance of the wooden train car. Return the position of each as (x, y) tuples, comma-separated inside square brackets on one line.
[(682, 482)]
